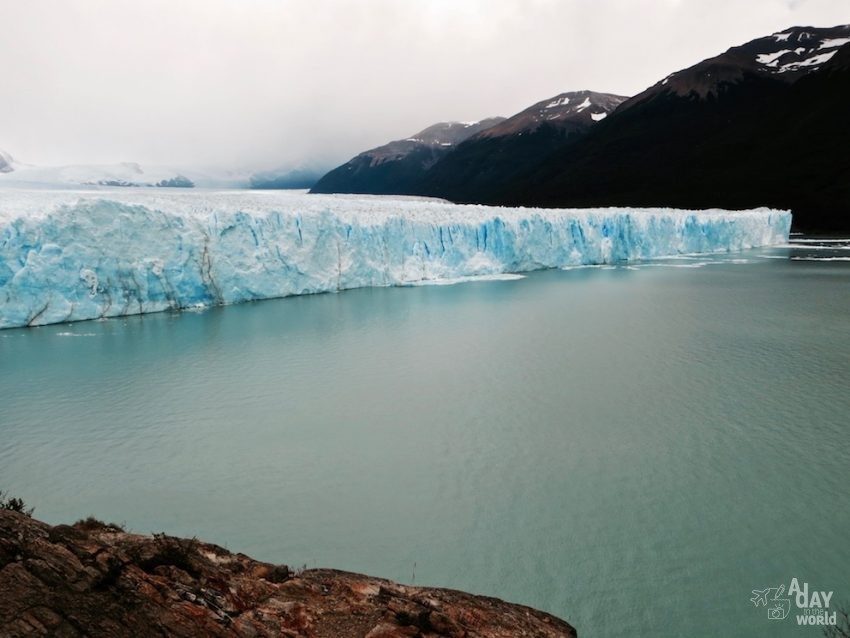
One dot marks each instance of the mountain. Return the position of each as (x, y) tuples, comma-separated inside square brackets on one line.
[(6, 162), (123, 174), (132, 174), (502, 152), (763, 124), (286, 178), (570, 111), (397, 167)]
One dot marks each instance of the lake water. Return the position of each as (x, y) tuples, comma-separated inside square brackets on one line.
[(634, 449)]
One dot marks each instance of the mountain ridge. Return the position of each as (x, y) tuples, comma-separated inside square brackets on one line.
[(396, 167), (759, 124), (758, 137), (500, 153)]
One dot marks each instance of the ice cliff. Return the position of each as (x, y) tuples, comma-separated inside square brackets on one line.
[(68, 256)]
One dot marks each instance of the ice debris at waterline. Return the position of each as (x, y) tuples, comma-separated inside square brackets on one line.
[(73, 255)]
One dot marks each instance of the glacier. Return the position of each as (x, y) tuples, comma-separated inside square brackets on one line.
[(74, 255)]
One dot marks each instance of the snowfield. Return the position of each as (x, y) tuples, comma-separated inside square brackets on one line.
[(74, 255)]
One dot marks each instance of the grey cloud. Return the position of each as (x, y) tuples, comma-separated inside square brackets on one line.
[(266, 82)]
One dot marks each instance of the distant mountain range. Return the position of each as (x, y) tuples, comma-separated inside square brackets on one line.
[(122, 174), (398, 167), (500, 153), (132, 174), (6, 163), (300, 178), (763, 124)]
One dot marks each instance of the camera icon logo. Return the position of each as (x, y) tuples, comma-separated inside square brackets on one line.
[(779, 612), (778, 608)]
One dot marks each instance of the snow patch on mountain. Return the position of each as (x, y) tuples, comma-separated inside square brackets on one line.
[(820, 48), (812, 61), (567, 110), (563, 101), (771, 59), (833, 43)]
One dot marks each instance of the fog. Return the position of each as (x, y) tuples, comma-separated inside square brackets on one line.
[(263, 83)]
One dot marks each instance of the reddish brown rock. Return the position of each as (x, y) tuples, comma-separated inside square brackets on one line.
[(92, 579)]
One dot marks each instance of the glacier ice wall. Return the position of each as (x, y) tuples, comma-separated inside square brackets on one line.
[(67, 256)]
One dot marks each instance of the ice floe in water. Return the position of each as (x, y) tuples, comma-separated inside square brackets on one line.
[(450, 281), (811, 246), (73, 255)]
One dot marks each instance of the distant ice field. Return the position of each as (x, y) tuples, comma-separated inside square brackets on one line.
[(74, 255)]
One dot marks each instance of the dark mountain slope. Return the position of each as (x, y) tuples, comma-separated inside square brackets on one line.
[(395, 167), (499, 154), (751, 127)]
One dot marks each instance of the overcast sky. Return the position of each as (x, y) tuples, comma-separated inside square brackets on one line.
[(274, 82)]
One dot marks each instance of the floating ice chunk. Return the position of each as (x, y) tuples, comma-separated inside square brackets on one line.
[(814, 246), (461, 280)]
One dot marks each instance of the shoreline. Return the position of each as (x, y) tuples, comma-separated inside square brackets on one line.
[(95, 579)]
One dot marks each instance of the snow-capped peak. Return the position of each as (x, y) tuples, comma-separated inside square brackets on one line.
[(814, 48), (575, 109), (785, 55)]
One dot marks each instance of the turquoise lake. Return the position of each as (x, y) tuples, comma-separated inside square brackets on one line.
[(632, 448)]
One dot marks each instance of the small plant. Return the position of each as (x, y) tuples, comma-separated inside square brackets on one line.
[(14, 504), (91, 524)]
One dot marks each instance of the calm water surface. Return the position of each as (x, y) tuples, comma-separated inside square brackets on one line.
[(634, 450)]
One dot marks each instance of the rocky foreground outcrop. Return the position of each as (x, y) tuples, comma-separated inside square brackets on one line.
[(94, 579)]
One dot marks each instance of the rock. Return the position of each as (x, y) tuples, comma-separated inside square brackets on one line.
[(93, 579)]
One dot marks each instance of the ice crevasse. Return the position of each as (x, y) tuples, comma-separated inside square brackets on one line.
[(68, 256)]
